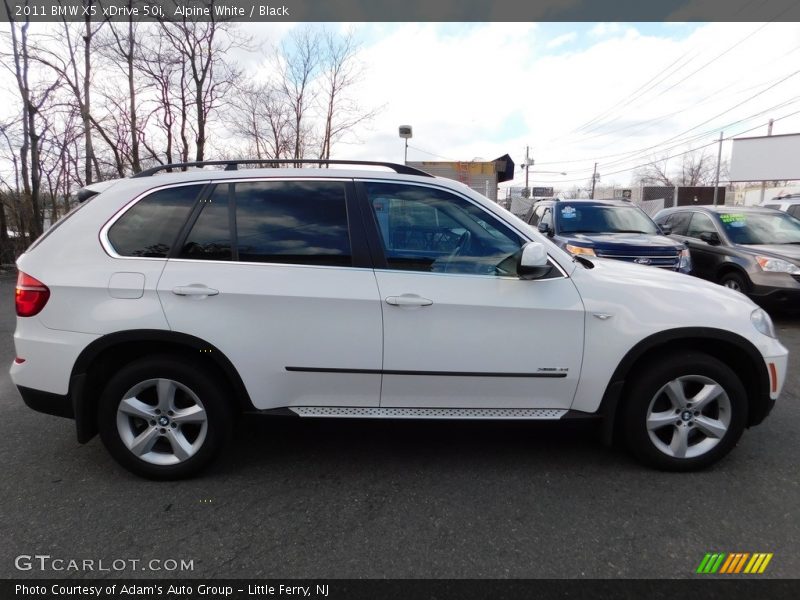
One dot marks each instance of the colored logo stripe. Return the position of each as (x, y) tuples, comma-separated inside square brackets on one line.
[(735, 562)]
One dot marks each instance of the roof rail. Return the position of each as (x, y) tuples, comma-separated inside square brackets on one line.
[(233, 165)]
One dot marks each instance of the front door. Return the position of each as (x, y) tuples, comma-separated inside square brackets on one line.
[(461, 330)]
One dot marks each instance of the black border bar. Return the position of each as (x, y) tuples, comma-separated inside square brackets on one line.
[(410, 11), (711, 588)]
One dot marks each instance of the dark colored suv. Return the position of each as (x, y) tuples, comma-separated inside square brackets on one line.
[(753, 250), (609, 229)]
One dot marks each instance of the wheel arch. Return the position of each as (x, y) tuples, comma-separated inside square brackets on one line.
[(734, 350), (103, 355), (732, 267)]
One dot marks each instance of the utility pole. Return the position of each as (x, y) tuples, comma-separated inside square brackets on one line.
[(716, 179), (527, 164), (764, 183), (594, 179)]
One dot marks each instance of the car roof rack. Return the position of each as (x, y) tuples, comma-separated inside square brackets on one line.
[(233, 165)]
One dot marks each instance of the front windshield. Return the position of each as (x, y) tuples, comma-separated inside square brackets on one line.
[(761, 228), (589, 218)]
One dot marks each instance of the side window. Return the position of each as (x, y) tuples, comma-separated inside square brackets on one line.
[(210, 237), (149, 228), (298, 222), (794, 210), (547, 217), (679, 222), (775, 206), (537, 215), (425, 229), (700, 224)]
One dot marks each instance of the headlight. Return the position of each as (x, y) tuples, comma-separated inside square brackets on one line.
[(579, 250), (762, 322), (685, 263), (776, 265)]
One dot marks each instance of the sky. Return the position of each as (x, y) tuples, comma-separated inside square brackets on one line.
[(574, 93), (619, 94)]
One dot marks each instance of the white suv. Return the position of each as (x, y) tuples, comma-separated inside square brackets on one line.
[(789, 204), (167, 304)]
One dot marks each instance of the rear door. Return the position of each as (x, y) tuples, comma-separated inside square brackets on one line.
[(275, 274)]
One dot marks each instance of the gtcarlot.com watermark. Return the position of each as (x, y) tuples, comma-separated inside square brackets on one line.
[(47, 563)]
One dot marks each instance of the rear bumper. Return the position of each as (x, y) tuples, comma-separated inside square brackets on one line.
[(47, 402)]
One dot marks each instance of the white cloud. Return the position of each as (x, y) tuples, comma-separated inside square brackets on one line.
[(562, 39)]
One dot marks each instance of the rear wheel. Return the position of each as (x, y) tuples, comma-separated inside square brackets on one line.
[(162, 418), (685, 413)]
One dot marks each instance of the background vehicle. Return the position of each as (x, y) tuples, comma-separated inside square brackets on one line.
[(753, 250), (608, 229), (189, 297), (789, 203)]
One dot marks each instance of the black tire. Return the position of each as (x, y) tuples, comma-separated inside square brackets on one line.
[(197, 397), (647, 398), (734, 281)]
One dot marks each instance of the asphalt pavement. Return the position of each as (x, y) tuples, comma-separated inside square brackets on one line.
[(337, 499)]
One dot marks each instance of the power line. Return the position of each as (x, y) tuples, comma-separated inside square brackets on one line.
[(715, 141)]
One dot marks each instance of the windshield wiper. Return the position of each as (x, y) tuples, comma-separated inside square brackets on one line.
[(629, 231)]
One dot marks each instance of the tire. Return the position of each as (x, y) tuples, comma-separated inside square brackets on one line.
[(734, 281), (163, 418), (684, 413)]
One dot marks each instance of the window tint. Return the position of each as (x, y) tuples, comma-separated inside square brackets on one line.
[(425, 229), (680, 222), (794, 210), (700, 224), (210, 237), (292, 222), (150, 227)]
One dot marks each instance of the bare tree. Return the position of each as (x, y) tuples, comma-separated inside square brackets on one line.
[(340, 71), (120, 45), (202, 47), (298, 63), (32, 102), (261, 116), (697, 168)]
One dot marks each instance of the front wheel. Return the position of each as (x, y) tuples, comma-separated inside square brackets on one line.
[(163, 418), (685, 413), (734, 281)]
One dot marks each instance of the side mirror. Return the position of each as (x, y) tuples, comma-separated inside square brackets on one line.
[(533, 261), (710, 237), (545, 229), (665, 229)]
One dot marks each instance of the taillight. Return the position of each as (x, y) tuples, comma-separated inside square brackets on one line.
[(31, 295)]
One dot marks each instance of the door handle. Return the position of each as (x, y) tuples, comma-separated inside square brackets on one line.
[(194, 290), (408, 300)]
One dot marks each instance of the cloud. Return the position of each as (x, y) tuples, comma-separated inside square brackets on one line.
[(562, 39)]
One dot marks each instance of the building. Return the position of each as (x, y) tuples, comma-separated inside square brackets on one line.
[(481, 176)]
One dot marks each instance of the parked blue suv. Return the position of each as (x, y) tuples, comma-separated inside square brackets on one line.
[(609, 229)]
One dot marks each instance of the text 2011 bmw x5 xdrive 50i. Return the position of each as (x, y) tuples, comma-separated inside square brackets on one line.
[(169, 303)]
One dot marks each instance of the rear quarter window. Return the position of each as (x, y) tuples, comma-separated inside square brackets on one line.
[(150, 227)]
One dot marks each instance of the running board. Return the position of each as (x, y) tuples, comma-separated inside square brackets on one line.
[(429, 413)]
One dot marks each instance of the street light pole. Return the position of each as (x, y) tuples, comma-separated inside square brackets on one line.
[(594, 179)]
